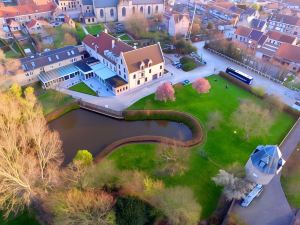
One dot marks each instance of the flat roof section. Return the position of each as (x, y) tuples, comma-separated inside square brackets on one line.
[(46, 77), (85, 68), (116, 81), (103, 71)]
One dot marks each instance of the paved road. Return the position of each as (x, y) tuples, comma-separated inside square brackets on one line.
[(272, 208), (215, 64)]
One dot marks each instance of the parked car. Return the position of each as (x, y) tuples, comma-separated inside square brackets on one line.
[(174, 63), (185, 82), (296, 105), (179, 66), (256, 191)]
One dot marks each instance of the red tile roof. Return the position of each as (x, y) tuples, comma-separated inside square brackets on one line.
[(275, 35), (31, 23), (12, 11), (104, 42), (288, 52), (243, 31)]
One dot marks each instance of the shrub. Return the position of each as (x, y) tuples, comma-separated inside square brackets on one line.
[(201, 85), (188, 64), (234, 187), (130, 211), (184, 47), (179, 205), (259, 91), (83, 158), (165, 92), (274, 102)]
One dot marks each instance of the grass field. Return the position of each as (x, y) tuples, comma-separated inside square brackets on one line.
[(22, 219), (95, 29), (125, 37), (80, 32), (83, 88), (222, 146), (291, 179)]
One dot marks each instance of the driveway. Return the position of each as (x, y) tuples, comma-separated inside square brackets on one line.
[(271, 207)]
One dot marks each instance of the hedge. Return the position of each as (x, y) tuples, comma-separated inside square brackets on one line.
[(180, 117)]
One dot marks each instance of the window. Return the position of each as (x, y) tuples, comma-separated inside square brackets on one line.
[(101, 13), (138, 82), (112, 13), (146, 79), (123, 11), (149, 10), (156, 9), (124, 70), (121, 61), (150, 71), (133, 10), (160, 67), (134, 76), (141, 9)]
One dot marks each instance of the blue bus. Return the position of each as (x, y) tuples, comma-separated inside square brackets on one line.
[(240, 75)]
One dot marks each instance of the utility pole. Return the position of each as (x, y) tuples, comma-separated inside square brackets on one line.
[(189, 31)]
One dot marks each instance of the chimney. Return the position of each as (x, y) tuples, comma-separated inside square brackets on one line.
[(105, 30), (112, 43)]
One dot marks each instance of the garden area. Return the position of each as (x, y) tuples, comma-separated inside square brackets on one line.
[(291, 179), (95, 29), (83, 88), (80, 32), (224, 145)]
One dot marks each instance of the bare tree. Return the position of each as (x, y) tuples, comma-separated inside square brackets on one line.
[(30, 153), (82, 208), (234, 187), (136, 25), (252, 119)]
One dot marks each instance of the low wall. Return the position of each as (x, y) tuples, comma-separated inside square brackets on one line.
[(134, 115)]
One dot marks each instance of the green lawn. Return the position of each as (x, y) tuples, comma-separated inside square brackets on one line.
[(83, 88), (222, 146), (50, 99), (125, 37), (80, 32), (291, 179), (95, 29)]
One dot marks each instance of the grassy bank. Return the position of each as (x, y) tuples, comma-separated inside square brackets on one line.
[(222, 147), (291, 179)]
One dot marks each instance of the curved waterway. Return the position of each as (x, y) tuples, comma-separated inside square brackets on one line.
[(82, 129)]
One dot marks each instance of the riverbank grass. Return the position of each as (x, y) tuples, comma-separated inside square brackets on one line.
[(222, 147), (291, 179), (83, 88)]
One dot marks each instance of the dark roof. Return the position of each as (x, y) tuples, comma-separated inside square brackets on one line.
[(267, 159), (49, 57), (87, 2), (257, 24), (249, 11), (115, 81), (292, 20), (105, 3), (88, 14), (255, 35), (83, 66), (262, 39)]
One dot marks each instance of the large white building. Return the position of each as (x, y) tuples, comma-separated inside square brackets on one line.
[(122, 67)]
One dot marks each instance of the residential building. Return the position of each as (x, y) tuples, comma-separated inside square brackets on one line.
[(258, 24), (178, 24), (36, 26), (285, 24), (122, 67), (33, 66), (288, 55), (69, 5)]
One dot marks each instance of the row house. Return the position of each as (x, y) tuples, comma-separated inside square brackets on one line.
[(251, 38), (122, 67), (285, 23), (288, 55), (274, 41), (178, 24)]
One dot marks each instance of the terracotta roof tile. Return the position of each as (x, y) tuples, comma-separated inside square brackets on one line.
[(275, 35), (289, 52), (134, 58), (243, 31)]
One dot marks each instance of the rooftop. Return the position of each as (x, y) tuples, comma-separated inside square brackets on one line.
[(115, 81), (57, 73)]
